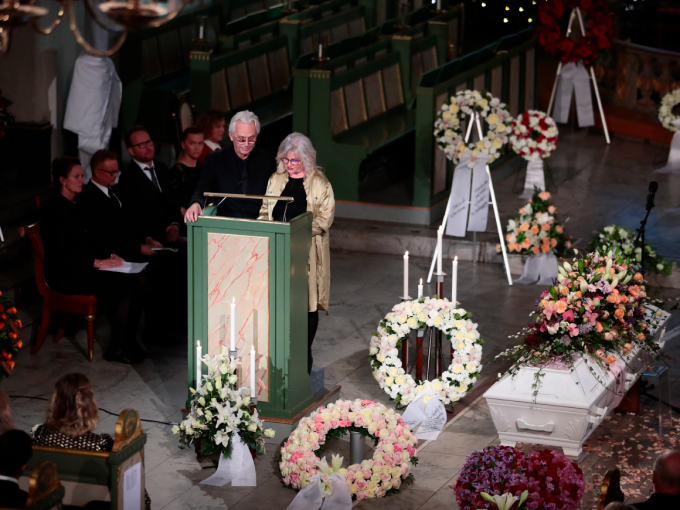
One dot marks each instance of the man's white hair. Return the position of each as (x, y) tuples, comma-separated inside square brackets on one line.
[(302, 147), (246, 117)]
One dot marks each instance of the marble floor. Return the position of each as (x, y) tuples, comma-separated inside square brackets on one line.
[(364, 288)]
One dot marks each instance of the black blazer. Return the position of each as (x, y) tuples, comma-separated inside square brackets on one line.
[(659, 502), (107, 226), (69, 256), (152, 210), (222, 174), (11, 496)]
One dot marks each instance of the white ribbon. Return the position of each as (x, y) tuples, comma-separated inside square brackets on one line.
[(459, 201), (539, 269), (574, 79), (479, 200), (311, 496), (239, 469), (673, 165), (535, 177), (431, 415)]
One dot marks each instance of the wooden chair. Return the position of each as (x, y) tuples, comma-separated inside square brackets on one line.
[(611, 489), (105, 471), (55, 302)]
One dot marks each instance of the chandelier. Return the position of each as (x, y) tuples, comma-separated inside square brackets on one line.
[(114, 16)]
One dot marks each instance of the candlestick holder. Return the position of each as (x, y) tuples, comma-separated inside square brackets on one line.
[(253, 405), (321, 59), (233, 354), (405, 298)]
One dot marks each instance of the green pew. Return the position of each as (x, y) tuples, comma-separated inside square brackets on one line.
[(105, 469), (156, 71), (507, 69)]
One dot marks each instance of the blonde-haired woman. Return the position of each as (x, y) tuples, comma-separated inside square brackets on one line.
[(298, 176), (72, 416), (6, 422)]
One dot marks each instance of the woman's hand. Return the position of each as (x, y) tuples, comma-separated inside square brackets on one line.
[(116, 257), (108, 263)]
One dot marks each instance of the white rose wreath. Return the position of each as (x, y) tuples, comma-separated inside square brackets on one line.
[(442, 314), (448, 129), (669, 101), (534, 135)]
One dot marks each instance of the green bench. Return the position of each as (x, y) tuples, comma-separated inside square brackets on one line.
[(100, 469), (507, 69)]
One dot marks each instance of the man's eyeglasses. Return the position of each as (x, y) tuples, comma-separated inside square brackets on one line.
[(144, 145), (243, 141), (294, 162), (110, 172)]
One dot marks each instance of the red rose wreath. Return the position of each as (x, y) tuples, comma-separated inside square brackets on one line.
[(598, 36)]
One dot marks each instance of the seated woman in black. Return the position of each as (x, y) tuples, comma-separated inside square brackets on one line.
[(71, 268)]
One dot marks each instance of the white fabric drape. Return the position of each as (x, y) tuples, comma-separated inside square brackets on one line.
[(574, 79), (239, 469), (311, 496), (540, 270), (431, 415)]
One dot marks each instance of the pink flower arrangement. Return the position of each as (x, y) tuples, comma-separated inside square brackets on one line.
[(551, 479), (387, 470)]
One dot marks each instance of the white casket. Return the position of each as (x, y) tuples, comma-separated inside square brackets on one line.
[(571, 402)]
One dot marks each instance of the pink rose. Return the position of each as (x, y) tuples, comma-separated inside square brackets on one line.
[(361, 484), (396, 482), (295, 476), (361, 495), (411, 451), (380, 492), (384, 477), (367, 402), (404, 470), (334, 423), (349, 476), (326, 427), (318, 419), (398, 448), (359, 421), (382, 425), (367, 473), (286, 480)]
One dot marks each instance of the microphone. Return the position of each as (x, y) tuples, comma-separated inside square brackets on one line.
[(653, 187)]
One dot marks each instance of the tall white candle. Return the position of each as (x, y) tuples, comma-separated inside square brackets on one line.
[(199, 354), (406, 274), (440, 234), (232, 321), (454, 280), (320, 50), (253, 394), (420, 288), (200, 31), (439, 5)]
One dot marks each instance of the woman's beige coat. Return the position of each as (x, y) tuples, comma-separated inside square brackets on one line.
[(321, 203)]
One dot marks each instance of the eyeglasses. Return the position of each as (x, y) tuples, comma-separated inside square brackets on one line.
[(144, 145), (246, 141), (110, 172), (294, 162)]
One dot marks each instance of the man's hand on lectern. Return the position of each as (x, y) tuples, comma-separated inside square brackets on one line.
[(192, 213)]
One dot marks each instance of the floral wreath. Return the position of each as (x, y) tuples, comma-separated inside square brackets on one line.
[(598, 36), (669, 101), (442, 314), (385, 473), (448, 132), (534, 135)]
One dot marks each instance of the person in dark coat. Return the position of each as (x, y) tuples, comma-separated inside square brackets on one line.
[(144, 187), (666, 478), (71, 265), (186, 173), (241, 169), (15, 451), (106, 222)]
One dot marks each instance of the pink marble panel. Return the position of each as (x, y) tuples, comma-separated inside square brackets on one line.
[(238, 267)]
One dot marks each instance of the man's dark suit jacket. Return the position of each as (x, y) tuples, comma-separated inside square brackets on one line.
[(222, 173), (152, 210), (107, 227), (659, 502), (11, 496)]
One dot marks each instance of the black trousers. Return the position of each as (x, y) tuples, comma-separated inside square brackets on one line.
[(312, 326)]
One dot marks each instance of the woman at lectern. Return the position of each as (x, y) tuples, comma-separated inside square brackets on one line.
[(298, 176)]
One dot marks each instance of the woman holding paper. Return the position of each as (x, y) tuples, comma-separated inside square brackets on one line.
[(70, 266), (298, 176)]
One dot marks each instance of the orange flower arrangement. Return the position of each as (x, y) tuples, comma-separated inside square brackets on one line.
[(10, 343)]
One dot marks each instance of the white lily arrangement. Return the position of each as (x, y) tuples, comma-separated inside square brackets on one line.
[(505, 501), (219, 409)]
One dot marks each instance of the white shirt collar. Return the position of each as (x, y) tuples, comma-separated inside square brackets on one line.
[(214, 146), (9, 479), (104, 189), (143, 166)]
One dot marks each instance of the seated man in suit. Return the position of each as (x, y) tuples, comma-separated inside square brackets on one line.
[(15, 450), (666, 478), (241, 168), (106, 222), (145, 190)]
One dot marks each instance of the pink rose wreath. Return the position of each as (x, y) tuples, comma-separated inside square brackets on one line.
[(385, 473)]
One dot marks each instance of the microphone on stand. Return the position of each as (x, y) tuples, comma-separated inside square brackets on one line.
[(653, 187)]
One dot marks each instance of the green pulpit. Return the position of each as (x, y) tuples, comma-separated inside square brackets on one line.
[(262, 267)]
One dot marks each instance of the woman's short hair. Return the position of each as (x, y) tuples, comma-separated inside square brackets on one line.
[(193, 130), (302, 146), (207, 121), (73, 408), (61, 167), (6, 422), (246, 117)]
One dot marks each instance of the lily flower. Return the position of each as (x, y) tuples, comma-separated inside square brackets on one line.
[(506, 501)]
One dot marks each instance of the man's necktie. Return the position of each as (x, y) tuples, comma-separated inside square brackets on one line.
[(115, 199), (153, 177)]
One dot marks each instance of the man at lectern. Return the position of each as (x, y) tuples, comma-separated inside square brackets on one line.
[(241, 169), (298, 176)]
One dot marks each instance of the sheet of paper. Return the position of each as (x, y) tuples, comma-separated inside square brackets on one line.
[(535, 177), (128, 267), (164, 248), (132, 488), (479, 201), (459, 201)]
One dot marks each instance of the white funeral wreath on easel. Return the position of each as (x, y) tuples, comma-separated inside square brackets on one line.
[(442, 314), (468, 103), (668, 102)]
